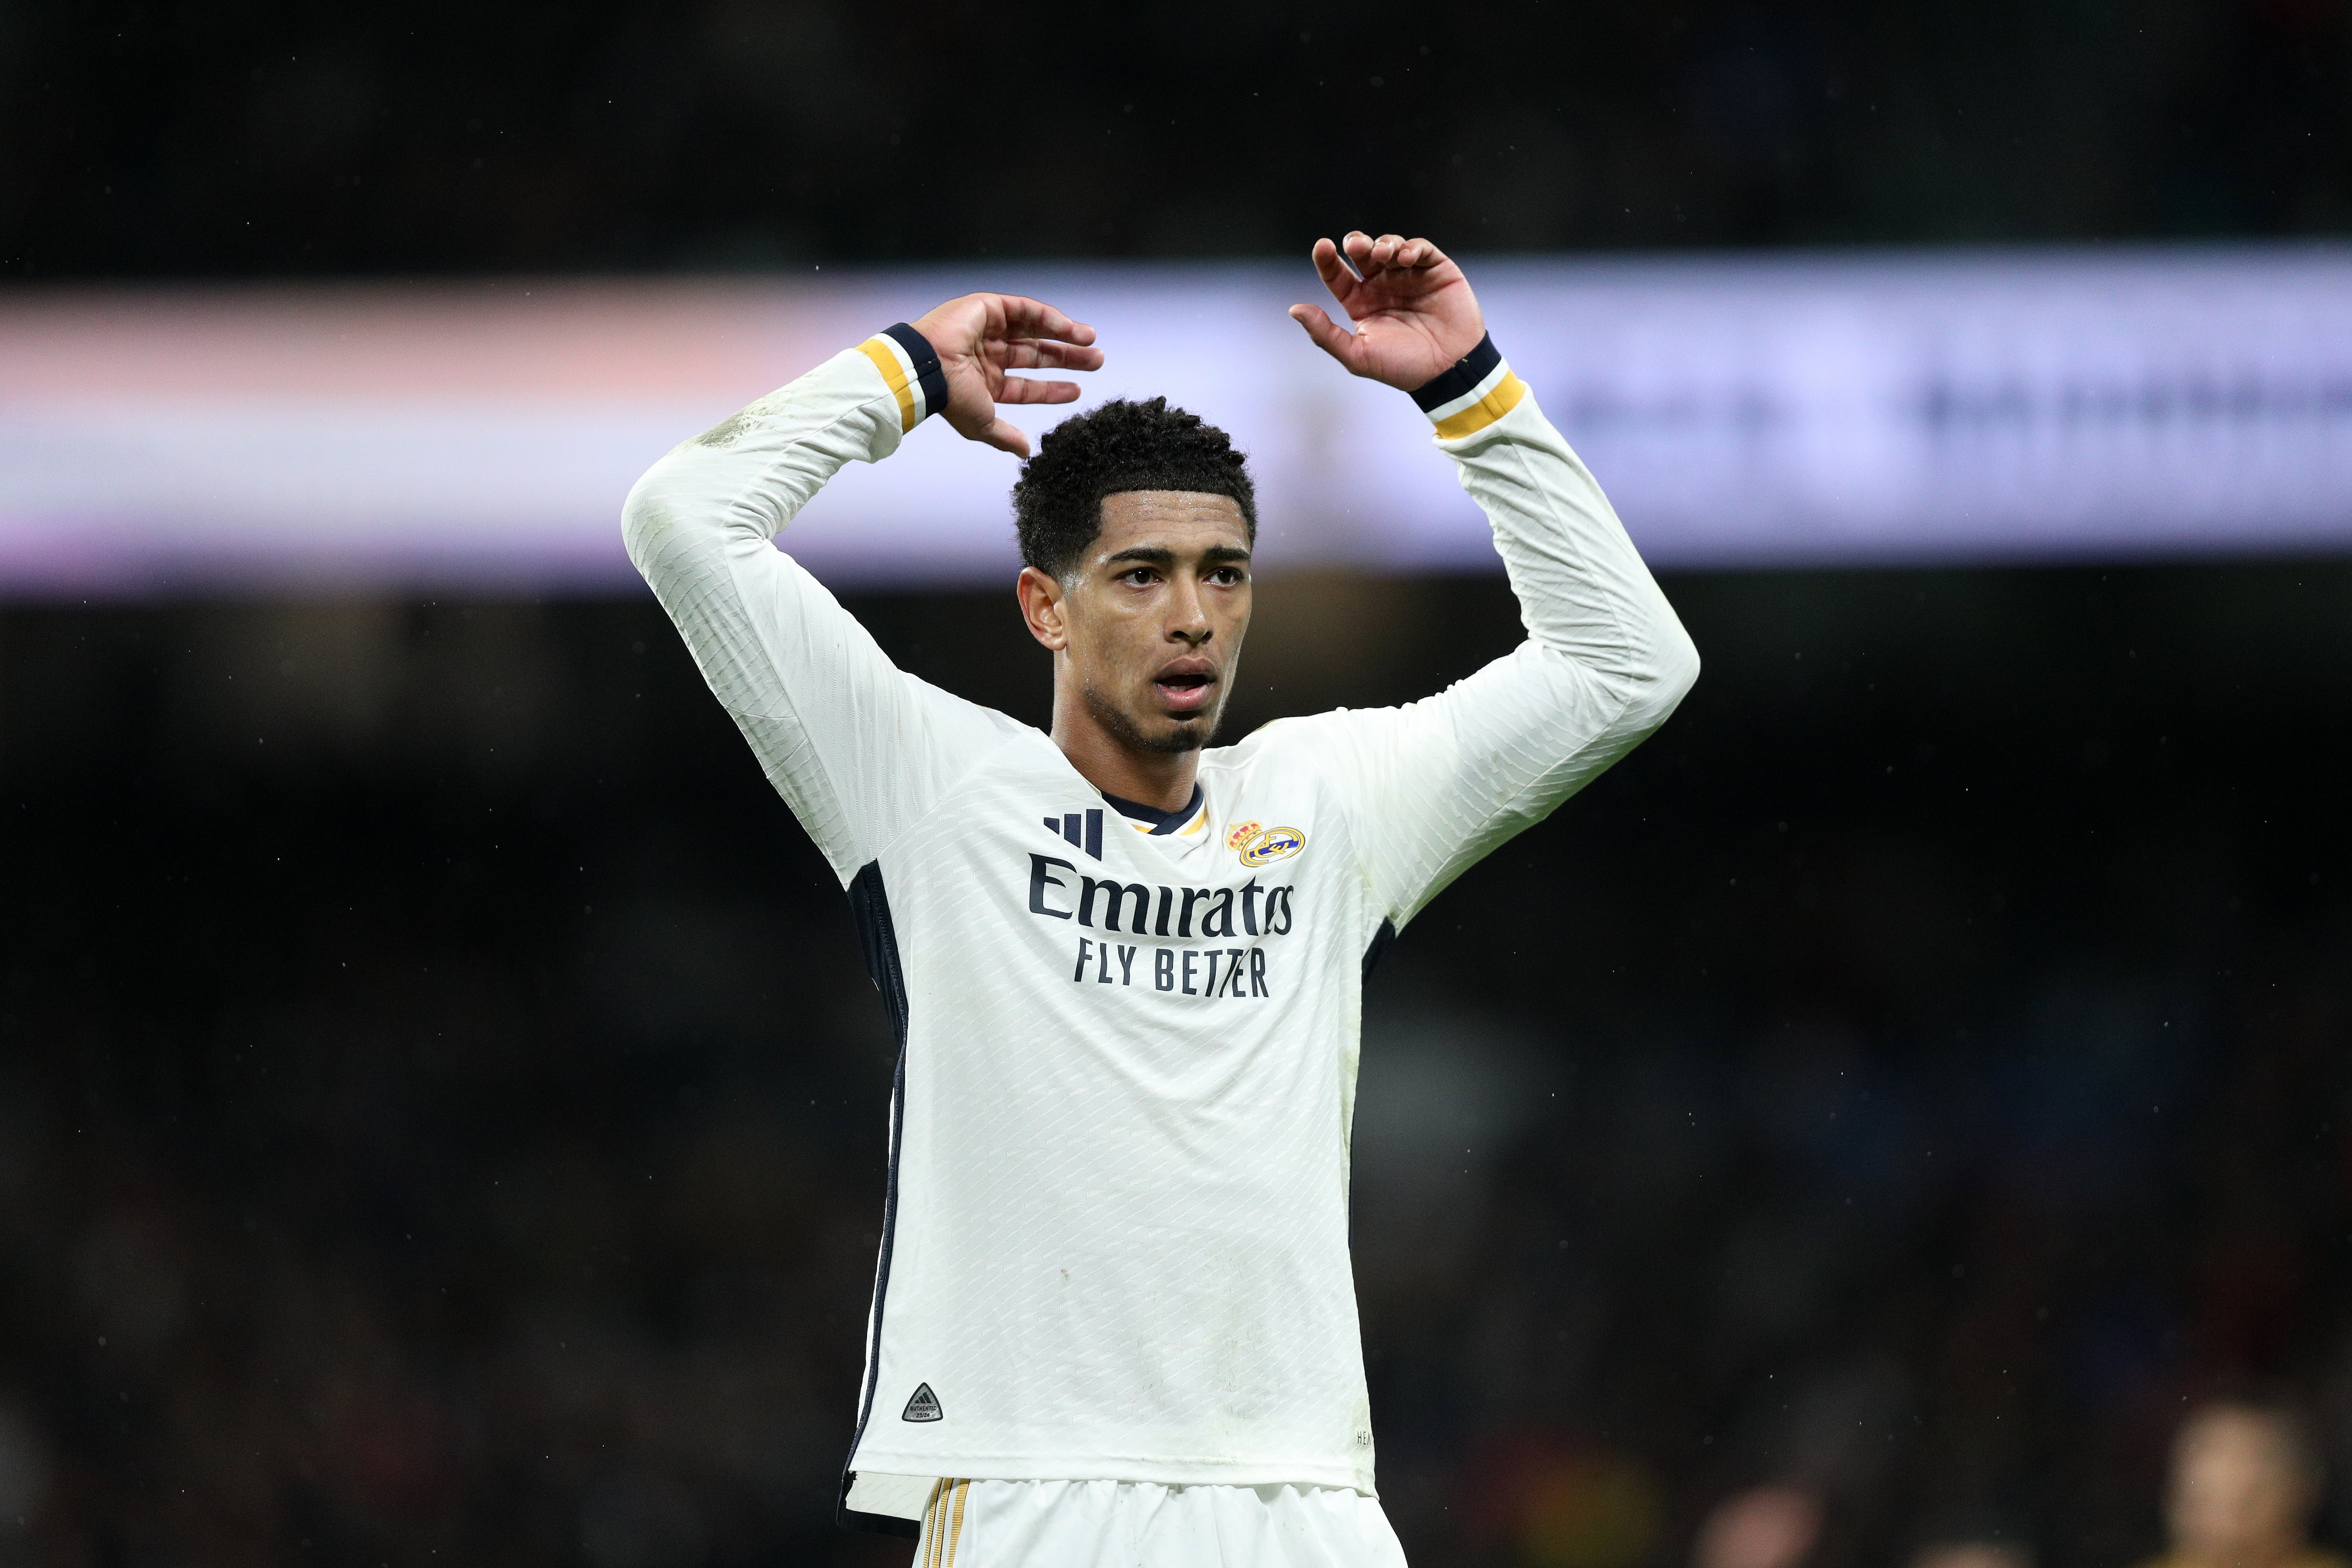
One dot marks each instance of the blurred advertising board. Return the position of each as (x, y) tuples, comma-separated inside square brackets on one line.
[(1867, 408)]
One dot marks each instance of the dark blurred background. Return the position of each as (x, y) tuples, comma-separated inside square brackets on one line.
[(231, 139), (435, 1121)]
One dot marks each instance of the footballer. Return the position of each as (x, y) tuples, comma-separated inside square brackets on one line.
[(1114, 1319)]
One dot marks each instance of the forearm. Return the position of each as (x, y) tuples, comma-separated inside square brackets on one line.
[(743, 479), (1448, 779), (838, 730), (699, 524), (1584, 592)]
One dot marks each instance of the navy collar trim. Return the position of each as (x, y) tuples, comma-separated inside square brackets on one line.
[(1161, 821)]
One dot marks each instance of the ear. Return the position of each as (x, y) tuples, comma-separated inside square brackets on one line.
[(1043, 608)]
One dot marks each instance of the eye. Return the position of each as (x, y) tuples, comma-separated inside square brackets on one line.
[(1138, 576), (1227, 576)]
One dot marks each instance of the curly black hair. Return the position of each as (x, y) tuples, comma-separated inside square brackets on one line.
[(1119, 445)]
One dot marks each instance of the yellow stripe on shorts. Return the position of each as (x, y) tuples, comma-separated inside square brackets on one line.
[(943, 1525), (955, 1529)]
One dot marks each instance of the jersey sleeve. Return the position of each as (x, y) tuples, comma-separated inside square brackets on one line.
[(856, 747), (1435, 785)]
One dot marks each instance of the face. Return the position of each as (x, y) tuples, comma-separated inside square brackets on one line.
[(2238, 1492), (1146, 634)]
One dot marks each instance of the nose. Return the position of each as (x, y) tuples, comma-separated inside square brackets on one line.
[(1188, 619)]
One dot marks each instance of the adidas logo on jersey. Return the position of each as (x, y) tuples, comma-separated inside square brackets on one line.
[(923, 1406), (1082, 828)]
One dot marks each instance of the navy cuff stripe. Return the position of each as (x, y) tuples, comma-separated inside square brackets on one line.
[(929, 376), (1462, 378)]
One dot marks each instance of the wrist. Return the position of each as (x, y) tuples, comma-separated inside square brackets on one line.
[(910, 367), (1470, 393)]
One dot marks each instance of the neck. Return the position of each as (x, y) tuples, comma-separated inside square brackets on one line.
[(1161, 780)]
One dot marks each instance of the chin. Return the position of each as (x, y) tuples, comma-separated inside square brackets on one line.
[(1151, 730), (1182, 735), (1147, 729)]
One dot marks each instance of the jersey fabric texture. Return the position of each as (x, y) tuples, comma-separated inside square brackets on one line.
[(1141, 1524), (1115, 1240)]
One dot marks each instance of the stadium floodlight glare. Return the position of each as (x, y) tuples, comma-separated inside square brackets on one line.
[(1914, 407)]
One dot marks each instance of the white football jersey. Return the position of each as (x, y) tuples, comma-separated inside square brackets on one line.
[(1115, 1242)]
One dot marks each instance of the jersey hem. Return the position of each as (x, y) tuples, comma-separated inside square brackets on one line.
[(1157, 1470)]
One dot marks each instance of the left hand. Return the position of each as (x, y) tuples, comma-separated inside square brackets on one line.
[(1413, 310), (979, 337)]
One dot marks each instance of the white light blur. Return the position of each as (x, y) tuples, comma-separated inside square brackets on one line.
[(1914, 407)]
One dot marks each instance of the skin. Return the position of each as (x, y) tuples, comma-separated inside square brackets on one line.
[(1764, 1527), (2240, 1495), (1145, 637), (1972, 1554), (1146, 631)]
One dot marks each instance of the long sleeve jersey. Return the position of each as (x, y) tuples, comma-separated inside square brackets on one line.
[(1115, 1240)]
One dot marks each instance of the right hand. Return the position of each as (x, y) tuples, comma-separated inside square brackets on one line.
[(1413, 310), (979, 337)]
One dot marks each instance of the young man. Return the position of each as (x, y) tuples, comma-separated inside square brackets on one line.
[(1113, 1318)]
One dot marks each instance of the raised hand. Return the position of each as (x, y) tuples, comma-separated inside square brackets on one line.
[(982, 336), (1413, 310)]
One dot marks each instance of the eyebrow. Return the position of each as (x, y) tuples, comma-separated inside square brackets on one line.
[(1152, 555)]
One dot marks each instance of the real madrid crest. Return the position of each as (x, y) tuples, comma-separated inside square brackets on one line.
[(1270, 843)]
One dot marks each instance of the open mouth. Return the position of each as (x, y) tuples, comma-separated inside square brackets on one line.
[(1185, 685)]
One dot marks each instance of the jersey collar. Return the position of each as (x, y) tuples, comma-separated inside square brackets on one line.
[(1155, 822)]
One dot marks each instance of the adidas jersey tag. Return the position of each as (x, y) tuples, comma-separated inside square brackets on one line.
[(923, 1406)]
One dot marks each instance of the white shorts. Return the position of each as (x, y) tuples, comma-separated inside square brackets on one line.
[(1141, 1524)]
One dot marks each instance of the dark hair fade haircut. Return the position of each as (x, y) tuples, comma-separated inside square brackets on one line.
[(1119, 445)]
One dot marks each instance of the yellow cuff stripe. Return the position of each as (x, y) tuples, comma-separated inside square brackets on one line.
[(885, 355), (1486, 411)]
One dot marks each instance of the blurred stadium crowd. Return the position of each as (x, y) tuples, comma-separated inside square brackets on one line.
[(441, 1106), (430, 136), (441, 1109)]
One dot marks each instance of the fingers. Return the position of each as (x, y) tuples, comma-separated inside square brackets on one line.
[(1390, 252), (1008, 437), (1333, 268), (1032, 354), (1027, 318), (1330, 337), (1418, 254), (1021, 389)]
